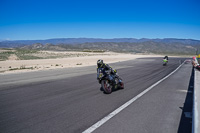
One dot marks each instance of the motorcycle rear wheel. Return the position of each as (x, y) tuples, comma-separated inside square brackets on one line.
[(122, 85)]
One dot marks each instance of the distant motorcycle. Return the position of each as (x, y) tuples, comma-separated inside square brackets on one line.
[(106, 84), (165, 61)]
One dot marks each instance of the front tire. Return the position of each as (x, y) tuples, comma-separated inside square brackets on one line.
[(106, 86)]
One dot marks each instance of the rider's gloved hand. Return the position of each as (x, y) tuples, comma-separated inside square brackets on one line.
[(115, 71)]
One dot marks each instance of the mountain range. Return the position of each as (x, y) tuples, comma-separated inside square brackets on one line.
[(144, 45)]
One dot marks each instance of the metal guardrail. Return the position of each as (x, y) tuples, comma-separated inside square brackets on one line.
[(196, 103)]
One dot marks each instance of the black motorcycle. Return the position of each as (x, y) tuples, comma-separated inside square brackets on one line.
[(108, 85)]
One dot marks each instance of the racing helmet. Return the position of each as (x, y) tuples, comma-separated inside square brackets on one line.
[(99, 62)]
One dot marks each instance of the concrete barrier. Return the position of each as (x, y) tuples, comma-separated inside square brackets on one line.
[(196, 103)]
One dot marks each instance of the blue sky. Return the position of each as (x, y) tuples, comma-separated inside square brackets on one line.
[(44, 19)]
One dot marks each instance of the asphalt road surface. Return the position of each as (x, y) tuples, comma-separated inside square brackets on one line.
[(70, 100)]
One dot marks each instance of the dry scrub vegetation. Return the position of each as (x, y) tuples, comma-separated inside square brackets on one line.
[(24, 54), (17, 60)]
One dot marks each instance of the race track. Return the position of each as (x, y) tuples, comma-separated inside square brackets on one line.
[(70, 100)]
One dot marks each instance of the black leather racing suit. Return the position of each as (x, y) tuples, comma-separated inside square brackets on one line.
[(112, 72)]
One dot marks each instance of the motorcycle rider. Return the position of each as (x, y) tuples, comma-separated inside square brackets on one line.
[(113, 72), (166, 57)]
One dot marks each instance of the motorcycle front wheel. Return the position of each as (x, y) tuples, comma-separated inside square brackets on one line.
[(106, 86)]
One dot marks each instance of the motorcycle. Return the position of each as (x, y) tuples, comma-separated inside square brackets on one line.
[(165, 61), (107, 85)]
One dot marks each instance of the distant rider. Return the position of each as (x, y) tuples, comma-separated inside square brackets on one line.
[(100, 64), (166, 57)]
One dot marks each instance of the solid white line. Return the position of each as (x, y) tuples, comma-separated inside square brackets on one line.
[(109, 116)]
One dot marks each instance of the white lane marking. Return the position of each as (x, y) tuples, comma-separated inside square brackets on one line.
[(115, 112)]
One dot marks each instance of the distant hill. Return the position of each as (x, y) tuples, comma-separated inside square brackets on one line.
[(56, 41), (144, 45)]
